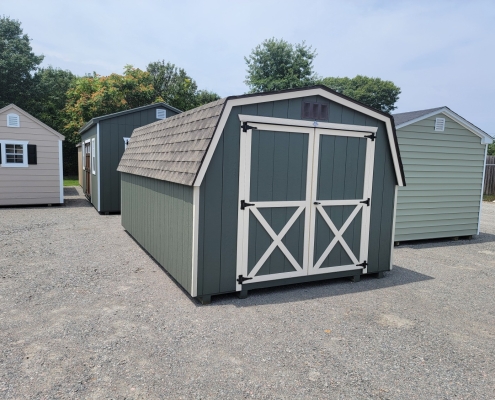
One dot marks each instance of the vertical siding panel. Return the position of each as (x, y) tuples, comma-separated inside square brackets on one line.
[(335, 112), (294, 111), (230, 201), (280, 109)]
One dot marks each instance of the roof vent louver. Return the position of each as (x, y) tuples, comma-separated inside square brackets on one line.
[(160, 113), (13, 121), (314, 111), (440, 124)]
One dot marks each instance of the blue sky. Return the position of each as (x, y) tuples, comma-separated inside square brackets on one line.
[(438, 52)]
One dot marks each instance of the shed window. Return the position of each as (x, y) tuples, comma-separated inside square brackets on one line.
[(13, 154), (93, 156), (161, 113), (440, 124), (126, 142), (13, 121)]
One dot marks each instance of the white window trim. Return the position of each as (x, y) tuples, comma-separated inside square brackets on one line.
[(126, 139), (84, 153), (18, 121), (24, 151), (93, 156)]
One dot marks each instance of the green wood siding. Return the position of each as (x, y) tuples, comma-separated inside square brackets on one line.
[(112, 134), (444, 173), (219, 202), (88, 135), (161, 221)]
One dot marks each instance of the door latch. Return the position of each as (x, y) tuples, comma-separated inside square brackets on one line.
[(372, 136), (367, 201), (246, 127), (364, 264)]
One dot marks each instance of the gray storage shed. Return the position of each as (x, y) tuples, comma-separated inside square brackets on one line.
[(262, 190), (103, 141), (444, 157)]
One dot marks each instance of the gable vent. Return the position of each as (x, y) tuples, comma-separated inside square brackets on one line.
[(440, 124), (314, 111), (13, 121), (161, 113)]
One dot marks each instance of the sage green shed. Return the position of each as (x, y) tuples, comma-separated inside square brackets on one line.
[(103, 141), (444, 162), (263, 190)]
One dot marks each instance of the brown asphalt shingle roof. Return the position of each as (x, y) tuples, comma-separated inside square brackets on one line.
[(172, 149)]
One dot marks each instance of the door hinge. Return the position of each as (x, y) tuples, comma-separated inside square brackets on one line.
[(364, 264), (241, 279), (367, 201), (244, 204), (372, 136), (246, 127)]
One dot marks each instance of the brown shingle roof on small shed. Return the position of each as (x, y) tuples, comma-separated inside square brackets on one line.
[(173, 149)]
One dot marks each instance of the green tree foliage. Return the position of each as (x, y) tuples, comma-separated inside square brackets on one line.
[(17, 64), (176, 88), (491, 149), (94, 95), (373, 92), (276, 65)]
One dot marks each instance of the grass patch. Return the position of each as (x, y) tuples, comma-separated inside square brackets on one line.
[(71, 181), (489, 197)]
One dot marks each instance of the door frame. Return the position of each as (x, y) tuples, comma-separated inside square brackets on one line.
[(289, 125)]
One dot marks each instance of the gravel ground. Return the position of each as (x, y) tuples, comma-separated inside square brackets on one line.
[(85, 313)]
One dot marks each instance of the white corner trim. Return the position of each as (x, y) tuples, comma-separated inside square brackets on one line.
[(97, 160), (482, 190), (195, 242), (393, 229), (293, 95), (485, 137), (305, 123), (61, 171)]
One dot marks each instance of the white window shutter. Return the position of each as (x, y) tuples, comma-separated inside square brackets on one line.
[(440, 124), (161, 113)]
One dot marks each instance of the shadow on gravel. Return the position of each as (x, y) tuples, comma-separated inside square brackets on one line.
[(433, 243), (314, 290), (70, 191), (77, 202)]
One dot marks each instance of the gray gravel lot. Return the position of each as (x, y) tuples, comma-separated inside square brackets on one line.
[(85, 313)]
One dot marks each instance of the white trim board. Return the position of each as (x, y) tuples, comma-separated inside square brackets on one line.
[(61, 171), (485, 137), (293, 95), (482, 190), (195, 242), (97, 160)]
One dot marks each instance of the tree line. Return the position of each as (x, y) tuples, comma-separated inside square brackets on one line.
[(65, 101)]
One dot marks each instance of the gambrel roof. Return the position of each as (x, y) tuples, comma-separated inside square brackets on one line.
[(178, 149), (408, 118)]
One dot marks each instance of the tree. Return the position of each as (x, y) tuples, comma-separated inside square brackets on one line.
[(17, 64), (277, 64), (176, 88), (373, 92), (94, 95), (491, 149)]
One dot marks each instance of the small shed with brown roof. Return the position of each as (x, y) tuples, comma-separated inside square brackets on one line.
[(263, 190), (31, 170)]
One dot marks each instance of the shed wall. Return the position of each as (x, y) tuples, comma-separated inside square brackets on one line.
[(159, 216), (219, 202), (112, 134), (444, 173), (34, 184)]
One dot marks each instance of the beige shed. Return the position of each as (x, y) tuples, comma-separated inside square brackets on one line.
[(31, 170)]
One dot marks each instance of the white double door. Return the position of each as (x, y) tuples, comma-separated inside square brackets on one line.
[(305, 198)]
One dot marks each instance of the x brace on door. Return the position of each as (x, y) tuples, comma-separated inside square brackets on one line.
[(338, 235), (277, 240)]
